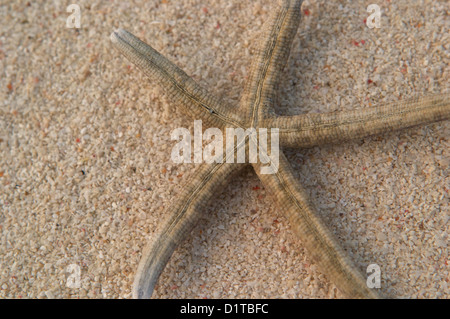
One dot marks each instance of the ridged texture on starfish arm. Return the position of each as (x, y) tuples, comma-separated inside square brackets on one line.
[(206, 181), (308, 130), (320, 243), (269, 60), (197, 102)]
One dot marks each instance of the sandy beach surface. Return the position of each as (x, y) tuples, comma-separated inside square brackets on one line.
[(85, 167)]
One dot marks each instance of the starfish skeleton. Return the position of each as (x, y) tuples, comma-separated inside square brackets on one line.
[(256, 110)]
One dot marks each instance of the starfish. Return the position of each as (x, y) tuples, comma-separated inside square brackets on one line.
[(256, 110)]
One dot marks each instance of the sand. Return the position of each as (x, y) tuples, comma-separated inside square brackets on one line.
[(85, 168)]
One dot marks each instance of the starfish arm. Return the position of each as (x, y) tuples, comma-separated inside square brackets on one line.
[(314, 129), (268, 63), (184, 214), (197, 101), (320, 243)]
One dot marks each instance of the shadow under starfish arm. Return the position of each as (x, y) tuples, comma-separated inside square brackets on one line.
[(309, 130), (206, 181), (197, 102)]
